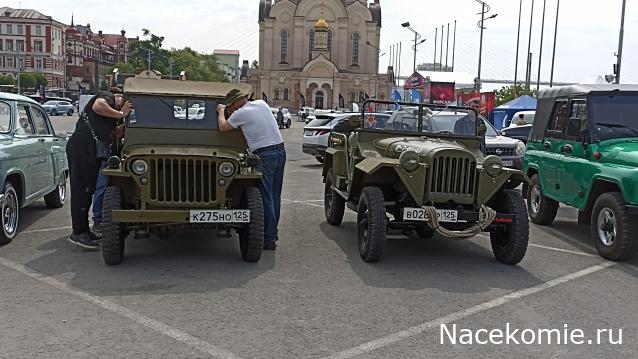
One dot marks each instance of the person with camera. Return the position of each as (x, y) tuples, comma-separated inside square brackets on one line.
[(87, 148)]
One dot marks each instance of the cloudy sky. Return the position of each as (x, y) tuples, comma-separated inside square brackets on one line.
[(587, 35)]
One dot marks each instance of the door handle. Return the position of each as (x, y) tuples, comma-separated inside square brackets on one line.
[(547, 145)]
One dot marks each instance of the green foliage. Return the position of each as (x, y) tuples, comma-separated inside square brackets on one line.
[(198, 67), (509, 93), (40, 79), (123, 68), (104, 86), (27, 81), (7, 80)]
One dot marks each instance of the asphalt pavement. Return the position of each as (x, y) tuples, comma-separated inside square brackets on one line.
[(193, 297)]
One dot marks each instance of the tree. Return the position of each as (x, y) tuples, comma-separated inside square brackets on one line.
[(6, 80), (509, 93), (27, 81), (255, 64), (124, 68), (104, 86), (40, 79)]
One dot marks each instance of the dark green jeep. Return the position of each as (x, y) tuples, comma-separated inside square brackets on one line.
[(583, 152)]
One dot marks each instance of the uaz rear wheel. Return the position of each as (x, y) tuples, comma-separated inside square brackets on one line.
[(333, 204)]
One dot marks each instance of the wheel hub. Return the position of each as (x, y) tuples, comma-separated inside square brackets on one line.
[(607, 227), (536, 199)]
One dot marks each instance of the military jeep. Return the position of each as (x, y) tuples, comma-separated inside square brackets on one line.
[(410, 176), (177, 171)]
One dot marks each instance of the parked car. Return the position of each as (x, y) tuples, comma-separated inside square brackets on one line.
[(405, 178), (173, 174), (304, 112), (583, 152), (520, 126), (317, 132), (55, 108), (33, 161)]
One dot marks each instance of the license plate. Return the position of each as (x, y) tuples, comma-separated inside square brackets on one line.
[(420, 215), (508, 163), (309, 133), (220, 216)]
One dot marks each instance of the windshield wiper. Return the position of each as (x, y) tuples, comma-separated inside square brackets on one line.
[(617, 125)]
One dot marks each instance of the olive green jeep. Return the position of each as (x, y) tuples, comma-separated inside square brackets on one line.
[(419, 173), (177, 171)]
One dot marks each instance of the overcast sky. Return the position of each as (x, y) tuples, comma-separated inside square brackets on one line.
[(587, 37)]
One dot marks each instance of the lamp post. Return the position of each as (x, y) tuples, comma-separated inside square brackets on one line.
[(417, 36), (379, 54), (620, 43), (484, 9)]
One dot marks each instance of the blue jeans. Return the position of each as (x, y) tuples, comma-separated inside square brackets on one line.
[(98, 196), (272, 179)]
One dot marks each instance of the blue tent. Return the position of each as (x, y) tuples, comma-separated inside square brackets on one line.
[(502, 115)]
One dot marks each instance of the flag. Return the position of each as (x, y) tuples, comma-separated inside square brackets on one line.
[(416, 96), (303, 100), (264, 97), (396, 95), (342, 101)]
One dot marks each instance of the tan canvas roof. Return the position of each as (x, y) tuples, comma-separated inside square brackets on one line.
[(142, 86)]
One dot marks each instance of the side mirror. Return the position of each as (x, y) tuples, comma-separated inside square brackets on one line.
[(573, 127)]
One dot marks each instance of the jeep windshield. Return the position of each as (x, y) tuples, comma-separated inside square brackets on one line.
[(173, 113), (429, 121), (614, 116)]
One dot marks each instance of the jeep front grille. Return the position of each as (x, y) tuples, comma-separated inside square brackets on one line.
[(182, 180), (501, 151), (453, 176)]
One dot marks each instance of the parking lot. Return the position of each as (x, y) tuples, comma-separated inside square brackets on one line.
[(193, 296)]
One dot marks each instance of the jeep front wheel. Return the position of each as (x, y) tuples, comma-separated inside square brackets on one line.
[(509, 245), (251, 236), (612, 228), (113, 234), (371, 224), (542, 210), (333, 204)]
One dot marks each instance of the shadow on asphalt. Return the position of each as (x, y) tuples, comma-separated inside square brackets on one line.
[(415, 264), (194, 262), (31, 214)]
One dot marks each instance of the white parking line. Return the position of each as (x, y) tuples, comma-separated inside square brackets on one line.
[(416, 330), (564, 250), (138, 318), (45, 230)]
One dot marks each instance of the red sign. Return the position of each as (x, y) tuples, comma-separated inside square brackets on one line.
[(442, 93), (484, 101)]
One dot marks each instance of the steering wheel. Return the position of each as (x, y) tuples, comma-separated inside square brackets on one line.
[(445, 133)]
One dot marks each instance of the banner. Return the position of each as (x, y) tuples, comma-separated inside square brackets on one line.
[(442, 93), (483, 101)]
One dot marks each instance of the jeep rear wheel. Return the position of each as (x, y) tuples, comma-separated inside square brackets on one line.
[(113, 234), (371, 224), (612, 228), (251, 236), (333, 204), (509, 245), (542, 210)]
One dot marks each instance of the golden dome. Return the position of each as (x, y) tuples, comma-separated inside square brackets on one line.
[(321, 24)]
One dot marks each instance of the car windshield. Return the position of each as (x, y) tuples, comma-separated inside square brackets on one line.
[(176, 113), (322, 121), (614, 116), (430, 121)]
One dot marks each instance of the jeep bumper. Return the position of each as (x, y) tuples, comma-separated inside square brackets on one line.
[(314, 150)]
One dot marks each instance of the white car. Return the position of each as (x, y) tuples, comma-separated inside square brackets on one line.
[(522, 118), (287, 122), (317, 132)]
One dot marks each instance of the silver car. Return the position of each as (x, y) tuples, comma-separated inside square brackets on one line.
[(56, 108)]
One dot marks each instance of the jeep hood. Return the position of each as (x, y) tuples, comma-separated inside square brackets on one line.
[(620, 151), (394, 146), (195, 151)]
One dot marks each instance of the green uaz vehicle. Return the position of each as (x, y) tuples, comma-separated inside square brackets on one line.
[(176, 170), (408, 175), (583, 152)]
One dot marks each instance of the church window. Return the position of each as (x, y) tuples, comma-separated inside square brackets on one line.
[(355, 48), (284, 46), (311, 43), (330, 40), (362, 96), (276, 97), (286, 95), (353, 97)]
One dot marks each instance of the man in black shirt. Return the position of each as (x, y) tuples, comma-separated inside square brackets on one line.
[(102, 113)]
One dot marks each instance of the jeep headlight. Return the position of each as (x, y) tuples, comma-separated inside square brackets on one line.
[(520, 149), (493, 166), (227, 169), (139, 167), (409, 161)]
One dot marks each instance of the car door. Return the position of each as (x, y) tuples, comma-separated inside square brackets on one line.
[(552, 143), (34, 159), (575, 171), (51, 144)]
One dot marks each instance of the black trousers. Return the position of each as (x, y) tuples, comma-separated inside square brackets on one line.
[(83, 172)]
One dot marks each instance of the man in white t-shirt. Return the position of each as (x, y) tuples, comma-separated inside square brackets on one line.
[(255, 120)]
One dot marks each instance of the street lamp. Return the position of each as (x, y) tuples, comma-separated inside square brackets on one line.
[(417, 36), (485, 9), (379, 54)]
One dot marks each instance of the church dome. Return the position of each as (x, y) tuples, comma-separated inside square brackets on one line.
[(321, 24)]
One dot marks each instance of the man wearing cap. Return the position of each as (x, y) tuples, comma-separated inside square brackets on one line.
[(255, 120)]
